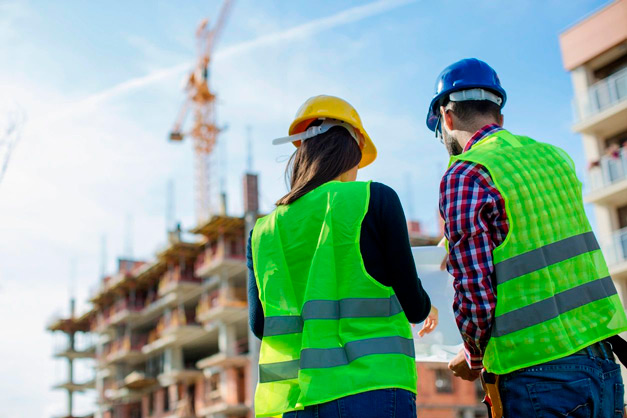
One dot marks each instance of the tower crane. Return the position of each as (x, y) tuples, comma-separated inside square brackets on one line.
[(200, 101)]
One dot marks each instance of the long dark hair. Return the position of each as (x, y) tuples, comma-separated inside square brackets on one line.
[(319, 160)]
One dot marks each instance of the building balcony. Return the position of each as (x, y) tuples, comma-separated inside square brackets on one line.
[(220, 259), (123, 311), (177, 376), (138, 381), (603, 110), (223, 408), (175, 329), (125, 350), (222, 360), (218, 306), (122, 395), (175, 337), (175, 282), (615, 252), (76, 386), (73, 354), (607, 180)]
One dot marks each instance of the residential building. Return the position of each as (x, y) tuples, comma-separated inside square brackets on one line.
[(594, 51)]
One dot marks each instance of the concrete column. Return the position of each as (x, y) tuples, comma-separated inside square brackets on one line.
[(604, 224), (226, 338), (581, 79), (70, 394)]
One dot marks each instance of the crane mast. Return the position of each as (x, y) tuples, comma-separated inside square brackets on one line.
[(200, 101)]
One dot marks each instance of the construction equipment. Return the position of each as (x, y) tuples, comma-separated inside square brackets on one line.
[(201, 101)]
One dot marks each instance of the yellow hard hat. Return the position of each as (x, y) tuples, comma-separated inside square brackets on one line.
[(334, 108)]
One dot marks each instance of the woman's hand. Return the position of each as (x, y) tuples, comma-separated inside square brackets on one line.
[(430, 323)]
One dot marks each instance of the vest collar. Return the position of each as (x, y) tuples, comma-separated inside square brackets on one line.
[(482, 133)]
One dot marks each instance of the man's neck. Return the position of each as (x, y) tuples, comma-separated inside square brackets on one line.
[(467, 135), (464, 136)]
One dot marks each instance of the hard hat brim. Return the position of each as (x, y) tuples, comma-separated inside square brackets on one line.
[(432, 115), (368, 152)]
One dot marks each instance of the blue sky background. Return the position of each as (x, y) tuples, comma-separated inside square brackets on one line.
[(101, 84)]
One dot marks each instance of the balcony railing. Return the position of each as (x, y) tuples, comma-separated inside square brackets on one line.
[(217, 299), (172, 278), (176, 319), (608, 170), (615, 250), (602, 95), (124, 345), (225, 250)]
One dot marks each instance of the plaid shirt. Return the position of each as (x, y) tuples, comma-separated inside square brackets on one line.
[(476, 223)]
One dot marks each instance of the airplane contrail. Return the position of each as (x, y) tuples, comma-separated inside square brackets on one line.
[(351, 15)]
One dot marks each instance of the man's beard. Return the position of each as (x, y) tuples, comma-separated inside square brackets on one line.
[(451, 144)]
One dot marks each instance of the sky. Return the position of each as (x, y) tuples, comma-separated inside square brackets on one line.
[(100, 84)]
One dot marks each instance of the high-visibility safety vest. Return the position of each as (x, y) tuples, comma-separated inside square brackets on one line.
[(330, 329), (554, 293)]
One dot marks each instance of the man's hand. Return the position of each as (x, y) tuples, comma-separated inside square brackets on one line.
[(460, 368), (430, 323)]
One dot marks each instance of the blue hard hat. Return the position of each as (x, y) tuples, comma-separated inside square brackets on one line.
[(466, 74)]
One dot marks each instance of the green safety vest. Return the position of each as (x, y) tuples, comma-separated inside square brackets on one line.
[(555, 295), (330, 329)]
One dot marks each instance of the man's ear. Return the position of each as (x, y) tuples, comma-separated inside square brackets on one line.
[(501, 119), (447, 118)]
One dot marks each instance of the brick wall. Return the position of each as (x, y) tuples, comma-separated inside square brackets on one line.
[(442, 395)]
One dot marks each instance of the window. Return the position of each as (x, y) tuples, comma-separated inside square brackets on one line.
[(443, 381)]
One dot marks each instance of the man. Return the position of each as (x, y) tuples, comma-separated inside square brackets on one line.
[(533, 298)]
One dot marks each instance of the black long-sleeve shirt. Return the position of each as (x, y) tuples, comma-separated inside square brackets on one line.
[(386, 251)]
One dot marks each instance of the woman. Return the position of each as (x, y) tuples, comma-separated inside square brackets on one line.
[(332, 283)]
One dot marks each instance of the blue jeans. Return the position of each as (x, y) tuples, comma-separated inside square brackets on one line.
[(573, 386), (382, 403)]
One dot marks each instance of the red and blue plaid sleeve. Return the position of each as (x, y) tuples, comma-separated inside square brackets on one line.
[(475, 224)]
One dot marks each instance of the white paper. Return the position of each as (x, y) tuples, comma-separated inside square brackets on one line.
[(445, 341)]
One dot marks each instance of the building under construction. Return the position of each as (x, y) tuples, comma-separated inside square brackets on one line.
[(73, 348), (171, 335)]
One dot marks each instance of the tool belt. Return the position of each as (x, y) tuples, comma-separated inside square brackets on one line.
[(490, 381), (492, 398)]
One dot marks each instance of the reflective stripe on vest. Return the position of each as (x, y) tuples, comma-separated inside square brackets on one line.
[(316, 358), (332, 309), (552, 307), (545, 256)]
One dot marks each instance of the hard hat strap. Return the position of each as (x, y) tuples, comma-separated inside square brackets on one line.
[(475, 94), (312, 131)]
